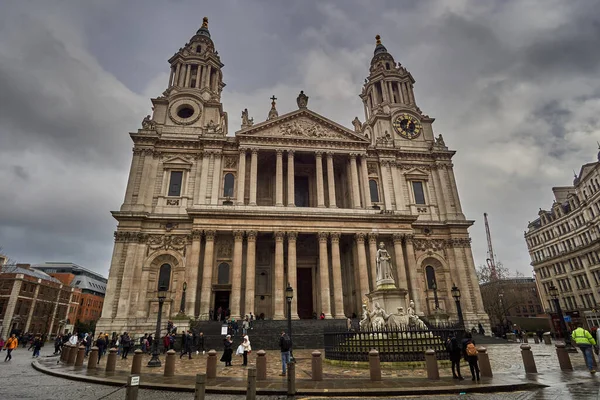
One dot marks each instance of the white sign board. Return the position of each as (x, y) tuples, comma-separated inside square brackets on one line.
[(224, 330), (135, 381)]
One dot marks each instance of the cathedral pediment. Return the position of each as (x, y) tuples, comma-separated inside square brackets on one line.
[(302, 124), (417, 174), (178, 162)]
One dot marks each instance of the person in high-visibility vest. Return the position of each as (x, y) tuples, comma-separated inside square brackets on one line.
[(585, 341)]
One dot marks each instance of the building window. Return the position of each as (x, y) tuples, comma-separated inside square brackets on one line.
[(223, 274), (418, 192), (228, 185), (430, 273), (164, 277), (374, 191), (175, 183)]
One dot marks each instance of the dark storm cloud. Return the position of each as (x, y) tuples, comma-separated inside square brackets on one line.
[(514, 87)]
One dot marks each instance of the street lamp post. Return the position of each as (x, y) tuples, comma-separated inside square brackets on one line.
[(456, 295), (162, 295), (435, 296), (553, 291), (289, 295), (182, 305)]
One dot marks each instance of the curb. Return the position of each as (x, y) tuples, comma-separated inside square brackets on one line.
[(365, 392)]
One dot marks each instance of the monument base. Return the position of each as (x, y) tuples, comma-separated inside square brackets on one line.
[(439, 316), (391, 300)]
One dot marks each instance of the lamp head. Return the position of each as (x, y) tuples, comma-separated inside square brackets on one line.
[(162, 292), (553, 292), (289, 293), (455, 292)]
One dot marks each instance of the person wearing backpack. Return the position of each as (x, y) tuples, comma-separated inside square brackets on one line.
[(455, 352), (285, 344), (470, 355)]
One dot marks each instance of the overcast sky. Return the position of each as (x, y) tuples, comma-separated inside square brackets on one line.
[(514, 87)]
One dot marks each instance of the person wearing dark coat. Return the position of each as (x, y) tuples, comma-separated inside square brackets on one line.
[(188, 342), (101, 345), (227, 351), (455, 352), (472, 360)]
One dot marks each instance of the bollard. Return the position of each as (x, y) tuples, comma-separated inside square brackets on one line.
[(317, 366), (64, 352), (72, 356), (483, 357), (136, 365), (261, 365), (433, 371), (111, 361), (563, 357), (211, 365), (536, 339), (525, 339), (291, 378), (200, 387), (80, 356), (251, 389), (547, 338), (133, 384), (170, 363), (528, 361), (374, 365), (511, 337), (93, 358), (594, 362)]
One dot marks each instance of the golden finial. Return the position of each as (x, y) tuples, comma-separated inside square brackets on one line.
[(378, 39), (205, 22)]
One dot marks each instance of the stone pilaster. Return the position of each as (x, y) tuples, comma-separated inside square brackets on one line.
[(177, 73), (292, 273), (216, 179), (452, 180), (400, 267), (236, 275), (33, 304), (188, 69), (441, 200), (204, 177), (397, 187), (191, 272), (373, 259), (331, 180), (319, 173), (250, 272), (55, 310), (365, 180), (253, 172), (338, 294), (135, 165), (278, 296), (291, 195), (198, 76), (412, 272), (207, 274), (279, 179), (385, 184), (241, 178), (354, 176), (324, 275), (363, 285)]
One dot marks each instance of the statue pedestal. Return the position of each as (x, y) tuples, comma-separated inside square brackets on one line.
[(439, 316), (389, 299)]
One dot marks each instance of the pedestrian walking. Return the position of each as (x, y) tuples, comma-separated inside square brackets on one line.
[(126, 343), (227, 351), (10, 345), (585, 341), (101, 345), (455, 353), (200, 343), (470, 354), (285, 345), (186, 348), (37, 345), (58, 341), (166, 343), (245, 326)]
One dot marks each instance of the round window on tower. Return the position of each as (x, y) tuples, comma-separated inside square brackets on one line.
[(185, 111)]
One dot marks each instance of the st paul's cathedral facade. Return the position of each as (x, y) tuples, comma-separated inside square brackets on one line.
[(234, 214)]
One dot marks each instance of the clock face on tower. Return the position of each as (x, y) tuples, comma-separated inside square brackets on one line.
[(407, 126)]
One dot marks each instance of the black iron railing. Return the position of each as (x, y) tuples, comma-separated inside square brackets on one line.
[(394, 345)]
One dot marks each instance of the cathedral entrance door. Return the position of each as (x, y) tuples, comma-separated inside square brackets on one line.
[(305, 293), (222, 302), (301, 195)]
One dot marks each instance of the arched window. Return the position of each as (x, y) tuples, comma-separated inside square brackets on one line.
[(387, 66), (223, 274), (198, 49), (374, 191), (430, 273), (164, 277), (228, 185)]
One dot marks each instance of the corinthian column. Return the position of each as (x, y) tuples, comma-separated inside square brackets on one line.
[(278, 297), (290, 179), (400, 268), (412, 271), (241, 178), (207, 272), (336, 266), (331, 180), (191, 271), (354, 175), (250, 272), (324, 275), (365, 180), (362, 265), (319, 172), (253, 172), (236, 274), (373, 259), (292, 273), (279, 179)]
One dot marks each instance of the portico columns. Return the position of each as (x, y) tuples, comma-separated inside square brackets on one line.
[(278, 279), (412, 271), (331, 181), (241, 178), (250, 271), (362, 265), (354, 175), (365, 179), (373, 259), (400, 267), (207, 271), (253, 172), (324, 275), (291, 196), (279, 179), (191, 271), (336, 266), (319, 172), (236, 274), (292, 273)]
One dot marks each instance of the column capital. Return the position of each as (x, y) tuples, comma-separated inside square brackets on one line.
[(210, 235), (319, 153), (242, 150), (238, 235), (254, 150), (335, 237), (323, 236), (360, 237), (372, 237), (279, 236), (330, 154), (397, 237), (292, 236), (409, 238), (353, 156), (251, 236), (291, 152), (279, 152), (196, 234)]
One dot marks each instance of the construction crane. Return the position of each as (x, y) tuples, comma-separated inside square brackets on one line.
[(490, 260)]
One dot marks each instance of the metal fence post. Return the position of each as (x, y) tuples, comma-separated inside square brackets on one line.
[(133, 385)]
